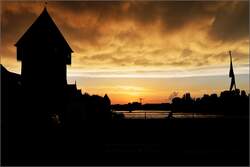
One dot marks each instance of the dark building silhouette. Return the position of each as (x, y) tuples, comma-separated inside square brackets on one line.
[(44, 54), (72, 91), (45, 97)]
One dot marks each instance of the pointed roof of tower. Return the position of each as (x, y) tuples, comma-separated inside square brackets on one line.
[(45, 24)]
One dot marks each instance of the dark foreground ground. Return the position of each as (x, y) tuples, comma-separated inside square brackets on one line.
[(133, 142)]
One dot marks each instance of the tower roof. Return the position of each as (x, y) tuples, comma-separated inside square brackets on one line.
[(44, 26)]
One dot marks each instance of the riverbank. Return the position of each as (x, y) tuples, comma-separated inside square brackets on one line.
[(137, 142), (161, 114)]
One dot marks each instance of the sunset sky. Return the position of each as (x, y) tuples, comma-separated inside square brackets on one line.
[(142, 49)]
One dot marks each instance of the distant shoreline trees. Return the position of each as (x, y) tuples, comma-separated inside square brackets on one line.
[(228, 103)]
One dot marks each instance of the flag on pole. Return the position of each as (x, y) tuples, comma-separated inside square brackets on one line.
[(231, 73)]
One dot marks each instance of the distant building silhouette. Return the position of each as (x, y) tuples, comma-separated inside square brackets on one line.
[(44, 54), (72, 90)]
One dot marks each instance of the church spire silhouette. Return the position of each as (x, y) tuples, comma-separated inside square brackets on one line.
[(231, 74)]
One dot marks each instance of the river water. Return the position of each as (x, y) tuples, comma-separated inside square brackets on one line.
[(157, 114)]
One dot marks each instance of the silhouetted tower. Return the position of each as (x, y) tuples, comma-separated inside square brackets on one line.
[(231, 74), (44, 54)]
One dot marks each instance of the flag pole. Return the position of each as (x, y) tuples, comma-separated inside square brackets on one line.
[(231, 73)]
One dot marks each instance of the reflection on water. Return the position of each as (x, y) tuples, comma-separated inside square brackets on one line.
[(155, 114)]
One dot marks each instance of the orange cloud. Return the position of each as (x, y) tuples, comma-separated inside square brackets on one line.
[(138, 35)]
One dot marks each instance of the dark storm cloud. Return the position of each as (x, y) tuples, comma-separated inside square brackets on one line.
[(104, 10), (107, 58), (124, 61), (85, 35), (186, 52), (231, 18), (127, 35), (91, 26), (172, 14), (11, 31), (175, 15), (224, 56), (231, 22)]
